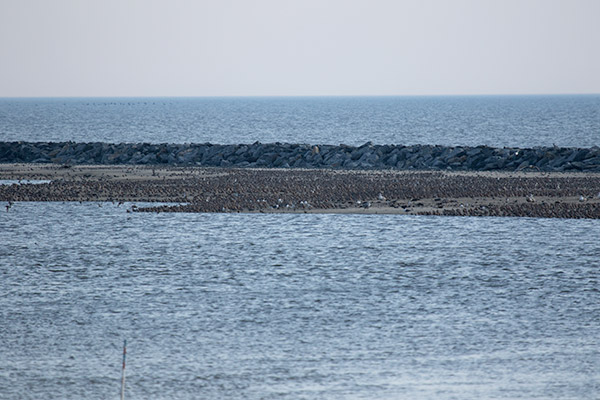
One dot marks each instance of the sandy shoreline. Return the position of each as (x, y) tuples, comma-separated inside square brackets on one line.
[(534, 194)]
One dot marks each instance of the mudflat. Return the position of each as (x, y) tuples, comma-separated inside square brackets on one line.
[(200, 189)]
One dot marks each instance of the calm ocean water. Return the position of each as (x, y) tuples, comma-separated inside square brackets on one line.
[(299, 306), (518, 121), (296, 306)]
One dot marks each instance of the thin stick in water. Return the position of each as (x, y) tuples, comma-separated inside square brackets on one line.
[(123, 370)]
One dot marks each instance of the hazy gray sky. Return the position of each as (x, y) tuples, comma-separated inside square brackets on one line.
[(304, 47)]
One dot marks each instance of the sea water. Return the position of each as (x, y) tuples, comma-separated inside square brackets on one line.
[(261, 306), (517, 121), (256, 306)]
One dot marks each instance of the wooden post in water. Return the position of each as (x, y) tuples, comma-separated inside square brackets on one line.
[(123, 370)]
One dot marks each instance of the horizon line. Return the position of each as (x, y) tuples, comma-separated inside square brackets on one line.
[(299, 96)]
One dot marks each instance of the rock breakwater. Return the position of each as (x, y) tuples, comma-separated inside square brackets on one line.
[(287, 155)]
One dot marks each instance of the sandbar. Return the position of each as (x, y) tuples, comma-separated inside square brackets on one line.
[(410, 192)]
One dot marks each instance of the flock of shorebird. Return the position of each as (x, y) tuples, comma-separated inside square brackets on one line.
[(272, 190)]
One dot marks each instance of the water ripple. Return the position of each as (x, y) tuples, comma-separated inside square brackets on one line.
[(296, 306)]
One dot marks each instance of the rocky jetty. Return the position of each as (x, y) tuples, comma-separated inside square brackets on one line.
[(285, 155)]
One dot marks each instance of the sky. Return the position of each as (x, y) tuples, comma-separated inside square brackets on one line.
[(64, 48)]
